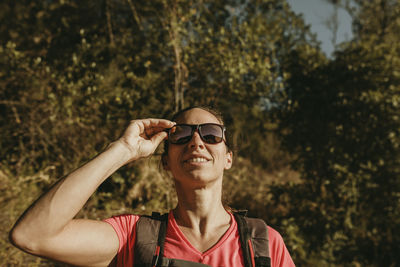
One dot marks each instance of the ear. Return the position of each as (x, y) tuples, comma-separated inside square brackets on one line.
[(229, 160), (164, 161)]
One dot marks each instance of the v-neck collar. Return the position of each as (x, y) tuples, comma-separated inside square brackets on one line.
[(209, 251)]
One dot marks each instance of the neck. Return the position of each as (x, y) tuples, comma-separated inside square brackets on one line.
[(200, 209)]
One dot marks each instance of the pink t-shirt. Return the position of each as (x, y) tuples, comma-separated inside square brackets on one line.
[(227, 252)]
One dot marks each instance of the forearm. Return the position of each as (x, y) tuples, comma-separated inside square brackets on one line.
[(56, 208)]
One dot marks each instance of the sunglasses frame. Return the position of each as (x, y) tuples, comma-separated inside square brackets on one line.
[(194, 128)]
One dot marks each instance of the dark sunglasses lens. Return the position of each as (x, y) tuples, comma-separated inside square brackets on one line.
[(211, 133), (180, 134)]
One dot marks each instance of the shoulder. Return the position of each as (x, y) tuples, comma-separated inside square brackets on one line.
[(123, 221), (124, 226), (274, 236), (276, 243), (279, 253)]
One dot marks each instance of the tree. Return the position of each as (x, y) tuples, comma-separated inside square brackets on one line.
[(343, 125), (232, 52), (73, 73), (97, 65)]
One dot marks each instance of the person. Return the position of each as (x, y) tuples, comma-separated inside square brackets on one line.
[(200, 229)]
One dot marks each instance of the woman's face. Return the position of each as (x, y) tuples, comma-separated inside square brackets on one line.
[(196, 162)]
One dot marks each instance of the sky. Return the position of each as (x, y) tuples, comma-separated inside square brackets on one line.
[(316, 13)]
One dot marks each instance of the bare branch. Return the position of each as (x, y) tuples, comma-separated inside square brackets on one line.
[(109, 25), (135, 14), (180, 70)]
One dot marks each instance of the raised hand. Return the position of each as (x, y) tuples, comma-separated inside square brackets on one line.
[(142, 137)]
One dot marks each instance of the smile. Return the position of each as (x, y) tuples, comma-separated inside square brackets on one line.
[(197, 160)]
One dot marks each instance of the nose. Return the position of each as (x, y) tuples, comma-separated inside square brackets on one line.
[(196, 141)]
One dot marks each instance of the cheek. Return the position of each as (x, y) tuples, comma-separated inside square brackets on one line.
[(224, 157), (172, 158)]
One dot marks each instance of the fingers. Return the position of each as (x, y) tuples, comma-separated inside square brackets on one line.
[(158, 138), (154, 129), (150, 127), (143, 136), (157, 123)]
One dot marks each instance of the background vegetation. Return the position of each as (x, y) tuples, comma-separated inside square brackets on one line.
[(316, 138)]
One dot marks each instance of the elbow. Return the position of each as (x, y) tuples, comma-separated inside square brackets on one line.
[(21, 240), (17, 238)]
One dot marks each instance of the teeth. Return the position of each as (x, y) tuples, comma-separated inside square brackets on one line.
[(197, 160)]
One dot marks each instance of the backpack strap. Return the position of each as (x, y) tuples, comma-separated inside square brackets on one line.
[(253, 235), (151, 232), (259, 239), (150, 237), (149, 244), (244, 237)]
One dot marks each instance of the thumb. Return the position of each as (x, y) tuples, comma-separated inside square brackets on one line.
[(158, 138)]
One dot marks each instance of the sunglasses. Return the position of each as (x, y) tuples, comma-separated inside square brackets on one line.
[(211, 133)]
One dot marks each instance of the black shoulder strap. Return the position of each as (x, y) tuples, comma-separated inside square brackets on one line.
[(151, 232), (150, 237), (244, 237), (259, 238), (253, 234)]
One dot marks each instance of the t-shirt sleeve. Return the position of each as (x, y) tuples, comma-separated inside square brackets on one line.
[(125, 228), (280, 256)]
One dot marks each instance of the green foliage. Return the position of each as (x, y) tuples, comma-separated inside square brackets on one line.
[(89, 68), (235, 49), (74, 73), (342, 123)]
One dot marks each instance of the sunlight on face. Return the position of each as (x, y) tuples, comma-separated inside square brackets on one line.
[(197, 162)]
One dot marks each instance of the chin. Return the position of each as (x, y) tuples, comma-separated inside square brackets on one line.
[(198, 179)]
